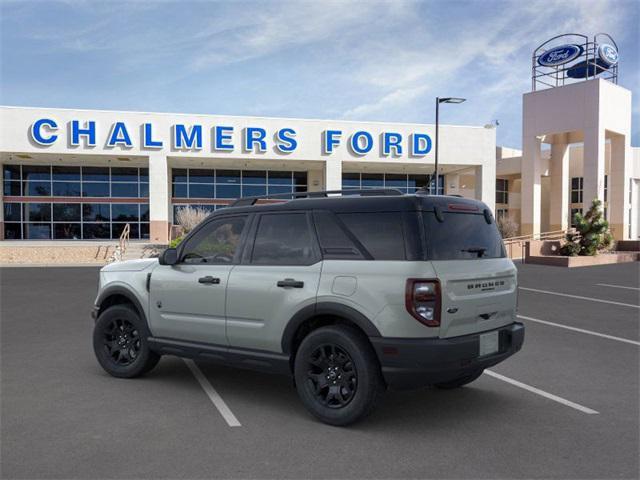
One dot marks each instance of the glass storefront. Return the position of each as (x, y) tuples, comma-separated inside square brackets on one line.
[(77, 202), (192, 185), (406, 183)]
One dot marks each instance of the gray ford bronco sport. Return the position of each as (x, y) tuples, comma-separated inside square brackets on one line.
[(349, 294)]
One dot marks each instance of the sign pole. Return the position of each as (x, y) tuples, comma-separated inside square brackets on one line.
[(436, 146)]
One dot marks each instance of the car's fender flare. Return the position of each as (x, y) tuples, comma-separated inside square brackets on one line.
[(125, 292), (326, 309)]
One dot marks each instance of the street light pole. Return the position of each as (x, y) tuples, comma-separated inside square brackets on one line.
[(438, 102), (436, 145)]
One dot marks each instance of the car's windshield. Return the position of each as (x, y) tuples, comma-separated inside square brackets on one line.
[(461, 236)]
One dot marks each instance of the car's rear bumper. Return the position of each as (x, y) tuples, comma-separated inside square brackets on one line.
[(417, 362)]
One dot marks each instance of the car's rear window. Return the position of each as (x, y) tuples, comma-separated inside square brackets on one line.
[(461, 236)]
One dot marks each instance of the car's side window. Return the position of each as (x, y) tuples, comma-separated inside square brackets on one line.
[(216, 243), (284, 239), (380, 233), (334, 241)]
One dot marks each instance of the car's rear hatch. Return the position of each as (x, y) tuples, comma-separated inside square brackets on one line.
[(478, 283), (477, 295)]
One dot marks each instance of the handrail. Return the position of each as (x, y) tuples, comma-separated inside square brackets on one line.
[(123, 242), (552, 235)]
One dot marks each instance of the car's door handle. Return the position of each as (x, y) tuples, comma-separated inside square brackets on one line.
[(290, 282), (209, 280)]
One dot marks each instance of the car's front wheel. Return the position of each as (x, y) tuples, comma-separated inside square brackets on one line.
[(337, 375), (120, 343)]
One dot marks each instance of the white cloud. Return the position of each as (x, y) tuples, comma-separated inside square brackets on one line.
[(362, 60)]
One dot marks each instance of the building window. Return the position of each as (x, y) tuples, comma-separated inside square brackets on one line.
[(502, 190), (572, 221), (232, 184), (606, 187), (400, 181), (88, 202), (195, 185), (502, 213), (576, 189)]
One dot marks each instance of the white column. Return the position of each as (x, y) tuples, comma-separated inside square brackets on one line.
[(559, 205), (333, 174), (593, 166), (452, 184), (159, 198), (314, 179), (486, 184), (618, 190), (531, 187)]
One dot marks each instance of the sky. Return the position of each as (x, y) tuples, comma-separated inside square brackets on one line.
[(343, 60)]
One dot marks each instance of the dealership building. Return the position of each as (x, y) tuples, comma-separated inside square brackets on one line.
[(85, 174)]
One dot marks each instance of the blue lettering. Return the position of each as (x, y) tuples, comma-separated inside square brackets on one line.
[(392, 140), (421, 144), (253, 136), (119, 136), (356, 145), (186, 139), (222, 137), (286, 141), (36, 131), (89, 131), (330, 140), (147, 138)]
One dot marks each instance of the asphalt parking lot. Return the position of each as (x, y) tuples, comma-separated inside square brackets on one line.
[(566, 406)]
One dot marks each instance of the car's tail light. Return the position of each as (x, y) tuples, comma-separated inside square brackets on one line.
[(422, 299)]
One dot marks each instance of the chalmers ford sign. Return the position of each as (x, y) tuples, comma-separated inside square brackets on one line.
[(220, 138)]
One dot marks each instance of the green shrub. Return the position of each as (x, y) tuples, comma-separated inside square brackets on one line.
[(176, 241), (592, 233)]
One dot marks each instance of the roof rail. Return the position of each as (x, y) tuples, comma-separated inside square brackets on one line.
[(363, 192)]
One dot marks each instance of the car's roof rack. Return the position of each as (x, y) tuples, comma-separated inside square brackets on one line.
[(363, 192)]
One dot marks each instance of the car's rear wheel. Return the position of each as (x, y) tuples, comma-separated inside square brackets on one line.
[(120, 343), (337, 375), (459, 382)]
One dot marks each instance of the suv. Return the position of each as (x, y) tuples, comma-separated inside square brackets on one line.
[(348, 294)]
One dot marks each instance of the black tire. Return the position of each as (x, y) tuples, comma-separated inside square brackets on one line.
[(459, 382), (342, 389), (120, 343)]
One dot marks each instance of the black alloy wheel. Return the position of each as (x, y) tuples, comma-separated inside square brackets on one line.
[(337, 374), (122, 341), (332, 376)]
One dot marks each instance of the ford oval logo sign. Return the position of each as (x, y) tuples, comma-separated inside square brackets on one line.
[(608, 54), (560, 55)]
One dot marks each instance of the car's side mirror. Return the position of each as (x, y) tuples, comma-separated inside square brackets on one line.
[(169, 257)]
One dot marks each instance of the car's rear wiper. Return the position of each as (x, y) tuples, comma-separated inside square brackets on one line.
[(479, 250)]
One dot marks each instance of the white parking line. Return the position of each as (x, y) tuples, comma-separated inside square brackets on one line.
[(579, 297), (213, 395), (581, 330), (616, 286), (542, 393)]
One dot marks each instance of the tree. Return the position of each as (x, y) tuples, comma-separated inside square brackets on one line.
[(188, 218), (507, 226), (592, 233)]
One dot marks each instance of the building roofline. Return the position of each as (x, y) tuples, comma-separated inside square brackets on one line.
[(20, 107)]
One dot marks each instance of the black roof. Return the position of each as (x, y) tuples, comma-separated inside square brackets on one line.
[(368, 203)]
